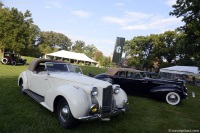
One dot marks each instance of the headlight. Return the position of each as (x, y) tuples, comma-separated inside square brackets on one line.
[(116, 89), (94, 91)]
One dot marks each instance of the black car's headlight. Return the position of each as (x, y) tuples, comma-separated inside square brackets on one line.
[(94, 91), (116, 88)]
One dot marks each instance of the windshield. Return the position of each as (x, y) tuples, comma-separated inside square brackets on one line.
[(62, 67)]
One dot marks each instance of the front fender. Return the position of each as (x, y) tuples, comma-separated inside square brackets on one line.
[(23, 76), (166, 88), (120, 98), (161, 91), (77, 99)]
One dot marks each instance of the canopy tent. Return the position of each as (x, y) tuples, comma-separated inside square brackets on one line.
[(180, 70), (71, 56)]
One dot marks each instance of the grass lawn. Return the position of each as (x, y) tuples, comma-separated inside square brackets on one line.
[(20, 113)]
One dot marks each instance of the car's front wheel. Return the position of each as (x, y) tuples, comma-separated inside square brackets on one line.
[(13, 63), (64, 115), (21, 87), (173, 98)]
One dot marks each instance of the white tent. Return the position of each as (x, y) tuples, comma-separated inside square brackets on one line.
[(71, 55), (180, 70)]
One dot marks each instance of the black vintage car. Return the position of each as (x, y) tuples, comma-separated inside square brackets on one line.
[(12, 59), (135, 82)]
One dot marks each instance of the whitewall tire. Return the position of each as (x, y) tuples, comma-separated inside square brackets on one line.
[(4, 61), (173, 98)]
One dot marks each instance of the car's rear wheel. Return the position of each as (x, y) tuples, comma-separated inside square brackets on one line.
[(173, 98), (4, 61), (64, 115)]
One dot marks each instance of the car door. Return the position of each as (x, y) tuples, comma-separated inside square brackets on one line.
[(135, 83), (120, 78), (39, 83)]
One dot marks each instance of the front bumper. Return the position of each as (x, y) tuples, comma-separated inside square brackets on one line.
[(185, 95), (101, 116)]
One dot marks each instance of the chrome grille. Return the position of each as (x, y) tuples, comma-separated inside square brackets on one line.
[(107, 100)]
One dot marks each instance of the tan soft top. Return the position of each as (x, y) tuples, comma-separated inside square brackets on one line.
[(113, 71), (35, 62)]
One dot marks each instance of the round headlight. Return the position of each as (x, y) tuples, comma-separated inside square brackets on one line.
[(116, 89), (94, 91)]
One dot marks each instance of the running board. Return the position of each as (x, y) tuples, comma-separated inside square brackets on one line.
[(35, 96)]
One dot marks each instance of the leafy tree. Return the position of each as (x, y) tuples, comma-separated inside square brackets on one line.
[(78, 46), (64, 42), (152, 51), (189, 11), (168, 45), (138, 51), (89, 50), (1, 5), (98, 56), (14, 31), (106, 61), (34, 38), (52, 41)]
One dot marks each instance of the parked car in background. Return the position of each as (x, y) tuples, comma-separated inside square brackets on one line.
[(135, 82), (62, 88), (12, 59)]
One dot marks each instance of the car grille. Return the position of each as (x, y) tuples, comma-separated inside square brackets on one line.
[(107, 100)]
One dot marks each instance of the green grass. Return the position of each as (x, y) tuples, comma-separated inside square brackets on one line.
[(21, 114)]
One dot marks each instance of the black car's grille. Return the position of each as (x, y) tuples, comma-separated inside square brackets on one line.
[(107, 100)]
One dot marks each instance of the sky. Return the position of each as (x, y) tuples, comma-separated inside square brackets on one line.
[(100, 22)]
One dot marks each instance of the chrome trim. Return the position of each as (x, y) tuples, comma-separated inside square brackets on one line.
[(114, 112)]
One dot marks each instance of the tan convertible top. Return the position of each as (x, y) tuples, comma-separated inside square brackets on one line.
[(113, 71), (35, 62)]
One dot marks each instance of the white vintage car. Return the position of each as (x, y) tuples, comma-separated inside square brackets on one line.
[(62, 88)]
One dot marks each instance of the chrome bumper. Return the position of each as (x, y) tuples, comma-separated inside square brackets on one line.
[(101, 116), (185, 95)]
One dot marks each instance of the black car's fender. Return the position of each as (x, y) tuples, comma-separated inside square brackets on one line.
[(162, 90), (104, 77)]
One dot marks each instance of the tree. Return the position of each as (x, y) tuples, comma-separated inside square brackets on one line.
[(138, 52), (14, 31), (64, 42), (189, 10), (106, 61), (168, 45), (1, 5), (98, 56), (89, 50), (34, 39), (52, 41), (78, 46)]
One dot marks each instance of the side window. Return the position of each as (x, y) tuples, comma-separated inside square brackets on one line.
[(137, 76), (130, 75), (134, 75), (40, 67), (121, 74)]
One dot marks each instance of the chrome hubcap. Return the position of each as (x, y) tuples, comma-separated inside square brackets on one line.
[(173, 98), (64, 113)]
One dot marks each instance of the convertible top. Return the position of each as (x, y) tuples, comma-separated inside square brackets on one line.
[(113, 71), (35, 62)]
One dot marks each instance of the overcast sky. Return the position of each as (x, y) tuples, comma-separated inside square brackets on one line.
[(100, 22)]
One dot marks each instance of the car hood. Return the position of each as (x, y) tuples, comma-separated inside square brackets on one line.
[(76, 78)]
